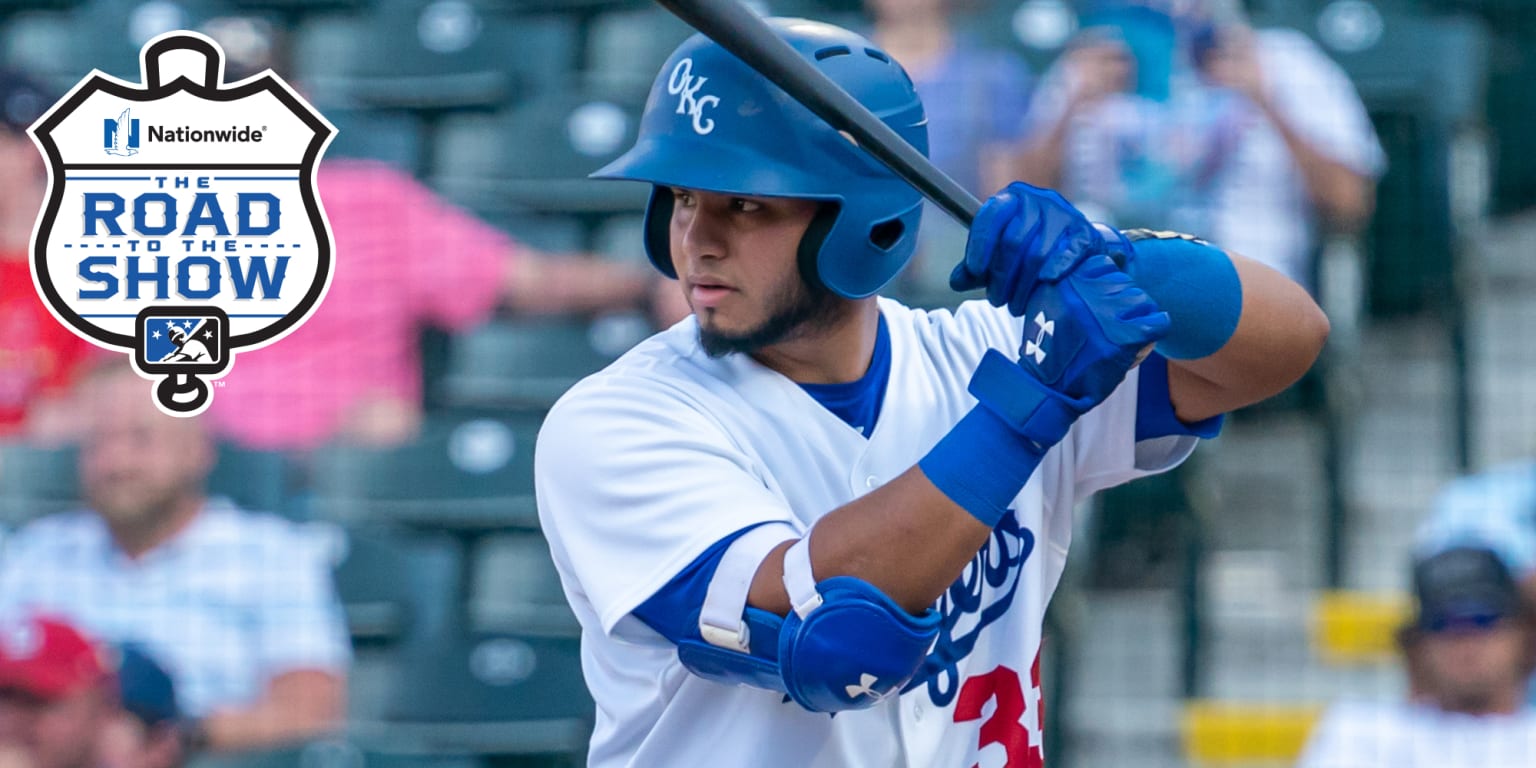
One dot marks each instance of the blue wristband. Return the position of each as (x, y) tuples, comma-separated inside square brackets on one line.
[(1190, 279), (988, 456)]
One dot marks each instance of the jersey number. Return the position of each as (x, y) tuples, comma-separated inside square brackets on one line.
[(1005, 726)]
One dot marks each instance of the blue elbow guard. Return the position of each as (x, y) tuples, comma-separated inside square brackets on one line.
[(848, 646), (854, 649), (1190, 279)]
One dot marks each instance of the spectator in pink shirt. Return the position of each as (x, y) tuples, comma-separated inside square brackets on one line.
[(404, 259)]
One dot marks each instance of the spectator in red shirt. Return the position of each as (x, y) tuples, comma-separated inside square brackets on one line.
[(39, 356)]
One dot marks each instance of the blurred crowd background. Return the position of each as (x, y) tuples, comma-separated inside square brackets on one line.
[(340, 563)]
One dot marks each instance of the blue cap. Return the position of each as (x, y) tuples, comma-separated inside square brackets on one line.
[(145, 687), (1465, 588)]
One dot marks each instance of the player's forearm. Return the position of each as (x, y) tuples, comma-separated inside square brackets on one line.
[(1279, 334), (906, 537)]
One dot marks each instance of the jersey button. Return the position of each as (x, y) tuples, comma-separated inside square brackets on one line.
[(871, 481), (917, 712)]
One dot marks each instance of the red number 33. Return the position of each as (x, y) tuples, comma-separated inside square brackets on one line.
[(1005, 726)]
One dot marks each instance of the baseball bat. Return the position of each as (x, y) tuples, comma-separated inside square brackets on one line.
[(742, 32)]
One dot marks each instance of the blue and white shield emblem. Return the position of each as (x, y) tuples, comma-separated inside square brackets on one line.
[(182, 223)]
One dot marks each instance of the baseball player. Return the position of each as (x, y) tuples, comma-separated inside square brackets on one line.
[(809, 526)]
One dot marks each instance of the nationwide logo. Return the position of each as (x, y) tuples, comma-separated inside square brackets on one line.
[(199, 234), (120, 136), (234, 134)]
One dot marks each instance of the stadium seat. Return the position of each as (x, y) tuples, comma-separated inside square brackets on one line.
[(625, 48), (329, 753), (486, 693), (433, 55), (46, 44), (253, 479), (469, 475), (516, 586), (391, 584), (524, 363), (1422, 81), (536, 156), (114, 31), (36, 481), (371, 134)]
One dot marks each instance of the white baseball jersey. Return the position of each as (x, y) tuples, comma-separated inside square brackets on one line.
[(645, 465)]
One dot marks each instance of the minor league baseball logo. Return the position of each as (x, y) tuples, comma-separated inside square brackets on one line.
[(182, 223), (682, 84)]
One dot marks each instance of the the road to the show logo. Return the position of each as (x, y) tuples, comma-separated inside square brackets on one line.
[(182, 223)]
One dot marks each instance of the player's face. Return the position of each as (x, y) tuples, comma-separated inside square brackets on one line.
[(136, 463), (736, 258), (1468, 668)]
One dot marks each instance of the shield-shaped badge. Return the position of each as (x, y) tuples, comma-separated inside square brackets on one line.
[(181, 223)]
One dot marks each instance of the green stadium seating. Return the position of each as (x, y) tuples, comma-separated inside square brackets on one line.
[(516, 586), (526, 363), (330, 753), (392, 584), (370, 134), (46, 44), (254, 479), (536, 156), (466, 475), (114, 31), (36, 481), (432, 55), (486, 693), (626, 48)]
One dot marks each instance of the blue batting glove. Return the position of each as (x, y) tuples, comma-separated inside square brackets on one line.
[(1083, 333), (1022, 235)]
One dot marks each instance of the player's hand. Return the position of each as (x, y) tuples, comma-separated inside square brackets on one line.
[(1083, 333), (1021, 236)]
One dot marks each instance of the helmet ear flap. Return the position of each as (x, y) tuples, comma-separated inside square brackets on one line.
[(658, 227), (813, 240)]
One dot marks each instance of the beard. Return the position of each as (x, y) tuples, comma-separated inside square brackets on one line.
[(794, 311)]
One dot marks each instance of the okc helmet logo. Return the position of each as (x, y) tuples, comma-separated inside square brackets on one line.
[(199, 233), (682, 84)]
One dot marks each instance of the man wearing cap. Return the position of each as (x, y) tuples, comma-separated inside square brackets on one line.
[(58, 695), (1470, 649), (239, 606)]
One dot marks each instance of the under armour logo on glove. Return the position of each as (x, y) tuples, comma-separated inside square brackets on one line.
[(1036, 347), (866, 687)]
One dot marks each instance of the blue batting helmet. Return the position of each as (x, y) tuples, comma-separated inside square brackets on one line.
[(713, 123)]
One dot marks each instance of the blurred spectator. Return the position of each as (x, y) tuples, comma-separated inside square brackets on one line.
[(1495, 509), (1161, 113), (405, 260), (38, 355), (974, 97), (239, 606), (1471, 647), (58, 698)]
